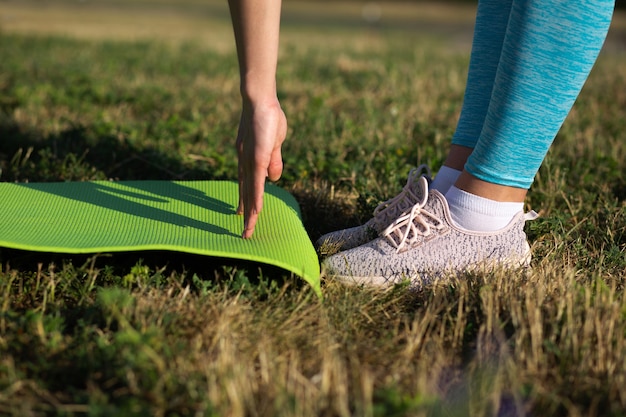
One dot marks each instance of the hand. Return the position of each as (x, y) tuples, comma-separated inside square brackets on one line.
[(262, 131)]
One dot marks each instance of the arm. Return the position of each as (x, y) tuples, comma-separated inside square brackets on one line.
[(263, 126)]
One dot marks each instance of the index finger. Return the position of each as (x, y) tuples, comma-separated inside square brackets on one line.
[(253, 200)]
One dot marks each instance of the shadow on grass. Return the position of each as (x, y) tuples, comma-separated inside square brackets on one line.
[(321, 215), (201, 273), (80, 153)]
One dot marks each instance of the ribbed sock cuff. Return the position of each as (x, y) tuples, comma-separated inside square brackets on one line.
[(476, 213)]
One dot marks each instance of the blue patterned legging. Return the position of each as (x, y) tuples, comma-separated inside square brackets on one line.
[(530, 59)]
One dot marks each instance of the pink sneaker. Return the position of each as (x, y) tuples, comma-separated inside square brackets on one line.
[(423, 243)]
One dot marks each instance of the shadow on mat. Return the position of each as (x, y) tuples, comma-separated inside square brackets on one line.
[(179, 192), (117, 199)]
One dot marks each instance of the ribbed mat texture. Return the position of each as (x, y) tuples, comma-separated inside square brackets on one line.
[(187, 216)]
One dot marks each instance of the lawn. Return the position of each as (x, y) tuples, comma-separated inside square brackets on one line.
[(145, 89)]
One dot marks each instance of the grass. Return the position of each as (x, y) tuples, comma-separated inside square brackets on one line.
[(164, 334)]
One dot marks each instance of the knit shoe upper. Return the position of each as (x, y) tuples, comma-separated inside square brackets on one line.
[(423, 243), (384, 214)]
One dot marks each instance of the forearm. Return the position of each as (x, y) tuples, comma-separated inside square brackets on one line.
[(256, 24)]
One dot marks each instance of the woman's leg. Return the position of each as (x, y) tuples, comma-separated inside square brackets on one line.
[(492, 17), (547, 54)]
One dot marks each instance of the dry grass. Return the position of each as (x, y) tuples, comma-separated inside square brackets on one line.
[(481, 345)]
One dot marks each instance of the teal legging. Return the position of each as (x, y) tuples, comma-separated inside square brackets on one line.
[(530, 59)]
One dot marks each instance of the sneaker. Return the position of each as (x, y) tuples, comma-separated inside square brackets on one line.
[(384, 214), (423, 244)]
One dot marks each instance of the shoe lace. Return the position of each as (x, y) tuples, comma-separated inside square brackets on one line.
[(406, 198), (414, 226)]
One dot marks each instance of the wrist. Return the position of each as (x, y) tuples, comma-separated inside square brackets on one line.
[(259, 99), (254, 90)]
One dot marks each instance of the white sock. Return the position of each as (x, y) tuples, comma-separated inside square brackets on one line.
[(444, 179), (480, 214)]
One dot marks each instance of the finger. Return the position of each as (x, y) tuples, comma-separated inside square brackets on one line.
[(253, 200)]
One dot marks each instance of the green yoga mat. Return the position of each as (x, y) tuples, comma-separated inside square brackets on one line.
[(186, 216)]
